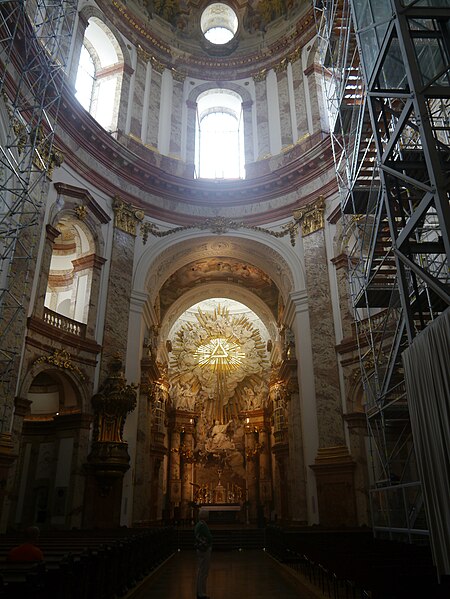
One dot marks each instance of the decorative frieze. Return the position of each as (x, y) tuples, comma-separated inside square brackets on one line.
[(220, 225)]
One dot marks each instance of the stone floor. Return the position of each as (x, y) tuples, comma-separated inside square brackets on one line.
[(233, 575)]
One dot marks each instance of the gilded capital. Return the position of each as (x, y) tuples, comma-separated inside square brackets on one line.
[(311, 217), (126, 216), (143, 54)]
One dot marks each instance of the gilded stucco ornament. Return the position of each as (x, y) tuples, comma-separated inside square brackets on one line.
[(46, 156), (126, 216), (311, 218), (61, 359), (220, 225), (81, 211)]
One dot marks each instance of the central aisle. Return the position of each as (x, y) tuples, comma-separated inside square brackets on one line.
[(233, 575)]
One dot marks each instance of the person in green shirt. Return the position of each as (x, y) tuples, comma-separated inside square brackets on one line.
[(203, 546)]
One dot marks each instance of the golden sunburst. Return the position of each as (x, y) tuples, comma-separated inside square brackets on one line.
[(220, 354)]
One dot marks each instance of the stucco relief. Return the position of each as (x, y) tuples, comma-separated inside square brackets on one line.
[(218, 364)]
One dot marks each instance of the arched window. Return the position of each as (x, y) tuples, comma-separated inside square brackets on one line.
[(99, 77), (219, 135), (70, 277)]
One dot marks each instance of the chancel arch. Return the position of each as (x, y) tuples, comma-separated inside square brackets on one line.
[(214, 289), (219, 378), (166, 255)]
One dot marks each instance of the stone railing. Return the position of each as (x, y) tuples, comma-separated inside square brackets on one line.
[(65, 324)]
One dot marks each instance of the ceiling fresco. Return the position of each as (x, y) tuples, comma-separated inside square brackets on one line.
[(219, 269), (255, 14)]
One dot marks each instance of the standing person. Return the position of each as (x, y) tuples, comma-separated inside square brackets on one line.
[(203, 546), (27, 551)]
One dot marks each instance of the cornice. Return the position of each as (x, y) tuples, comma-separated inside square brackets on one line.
[(309, 162), (65, 339)]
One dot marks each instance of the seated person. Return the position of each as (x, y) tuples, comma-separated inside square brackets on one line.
[(27, 551)]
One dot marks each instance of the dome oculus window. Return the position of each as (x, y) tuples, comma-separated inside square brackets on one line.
[(219, 23)]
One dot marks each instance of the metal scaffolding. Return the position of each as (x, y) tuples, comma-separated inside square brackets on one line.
[(34, 46), (387, 74)]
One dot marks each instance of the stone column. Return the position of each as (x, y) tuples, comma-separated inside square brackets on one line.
[(247, 122), (122, 104), (358, 434), (95, 264), (285, 104), (80, 30), (333, 465), (51, 235), (139, 91), (154, 103), (300, 98), (314, 77), (251, 455), (174, 472), (303, 425), (341, 264), (190, 133), (126, 219), (262, 115), (187, 459), (265, 474), (176, 116)]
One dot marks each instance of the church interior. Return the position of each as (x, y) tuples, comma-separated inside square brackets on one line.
[(224, 284)]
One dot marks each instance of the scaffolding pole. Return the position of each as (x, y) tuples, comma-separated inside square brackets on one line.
[(34, 47), (387, 76)]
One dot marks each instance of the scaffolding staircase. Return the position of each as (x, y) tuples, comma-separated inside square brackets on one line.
[(387, 76)]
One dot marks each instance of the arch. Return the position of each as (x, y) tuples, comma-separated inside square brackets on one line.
[(69, 379), (168, 254), (214, 289), (70, 277), (110, 58), (247, 103)]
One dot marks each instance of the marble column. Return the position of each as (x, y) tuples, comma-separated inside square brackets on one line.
[(139, 91), (262, 116), (285, 105), (248, 131), (333, 465), (300, 99), (302, 409), (191, 109), (346, 310), (314, 77), (187, 474), (358, 435), (174, 473), (122, 104), (265, 475), (51, 235), (81, 24), (136, 431), (154, 103), (251, 472), (176, 115), (323, 341), (115, 335)]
